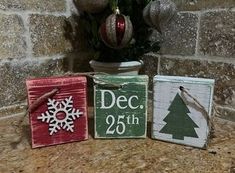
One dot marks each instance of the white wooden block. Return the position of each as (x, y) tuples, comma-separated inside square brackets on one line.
[(177, 117)]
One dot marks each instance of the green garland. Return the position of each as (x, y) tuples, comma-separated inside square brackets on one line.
[(141, 32)]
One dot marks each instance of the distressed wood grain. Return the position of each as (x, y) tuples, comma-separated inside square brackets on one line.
[(177, 117), (120, 112), (61, 118)]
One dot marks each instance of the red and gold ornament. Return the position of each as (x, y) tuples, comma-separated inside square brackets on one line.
[(116, 31)]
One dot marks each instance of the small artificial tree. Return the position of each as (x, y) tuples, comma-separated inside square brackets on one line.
[(179, 124), (138, 46)]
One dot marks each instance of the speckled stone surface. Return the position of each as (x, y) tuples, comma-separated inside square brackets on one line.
[(196, 5), (6, 111), (101, 156), (11, 37), (48, 35), (14, 73), (223, 73), (179, 36), (217, 34), (34, 5)]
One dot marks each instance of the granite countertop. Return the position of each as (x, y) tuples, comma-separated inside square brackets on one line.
[(117, 155)]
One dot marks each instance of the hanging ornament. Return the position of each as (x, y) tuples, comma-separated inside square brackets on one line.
[(158, 13), (91, 6), (116, 31)]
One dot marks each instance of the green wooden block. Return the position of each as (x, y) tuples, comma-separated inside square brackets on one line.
[(120, 112)]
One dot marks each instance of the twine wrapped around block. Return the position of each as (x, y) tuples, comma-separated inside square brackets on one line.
[(209, 120)]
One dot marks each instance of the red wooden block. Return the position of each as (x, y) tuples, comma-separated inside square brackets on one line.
[(61, 118)]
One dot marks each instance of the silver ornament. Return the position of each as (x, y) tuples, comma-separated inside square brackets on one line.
[(158, 13), (146, 15), (91, 6)]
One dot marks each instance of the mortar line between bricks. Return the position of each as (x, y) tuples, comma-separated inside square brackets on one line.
[(193, 57), (190, 12), (207, 10), (27, 35), (216, 10), (54, 57), (56, 14), (40, 59), (159, 65), (152, 54), (68, 9), (198, 35), (68, 12), (201, 58)]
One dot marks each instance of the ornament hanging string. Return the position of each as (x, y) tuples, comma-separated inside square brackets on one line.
[(43, 98), (209, 120), (113, 4)]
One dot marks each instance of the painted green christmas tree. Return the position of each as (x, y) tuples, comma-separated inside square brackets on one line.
[(179, 124)]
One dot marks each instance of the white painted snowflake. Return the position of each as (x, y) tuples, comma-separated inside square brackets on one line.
[(56, 123)]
